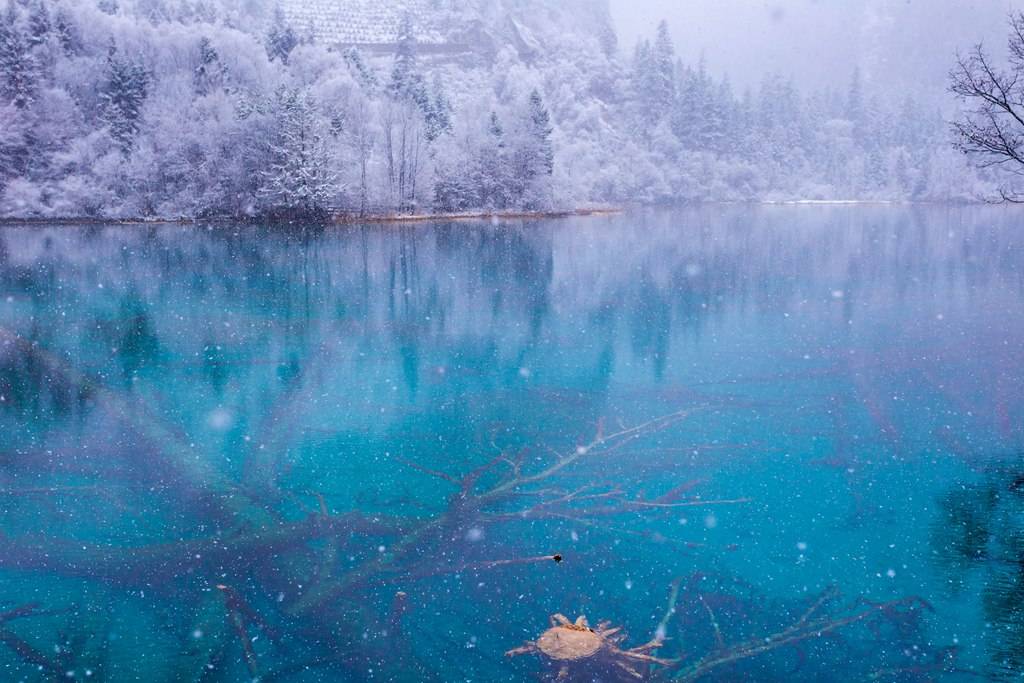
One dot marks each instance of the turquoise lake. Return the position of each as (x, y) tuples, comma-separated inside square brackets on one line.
[(784, 443)]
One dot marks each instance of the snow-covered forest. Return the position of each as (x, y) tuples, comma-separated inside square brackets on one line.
[(197, 108)]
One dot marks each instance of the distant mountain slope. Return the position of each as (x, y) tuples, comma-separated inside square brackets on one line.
[(364, 22), (482, 27)]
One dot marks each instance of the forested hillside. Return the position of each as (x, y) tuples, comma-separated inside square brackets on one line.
[(196, 108)]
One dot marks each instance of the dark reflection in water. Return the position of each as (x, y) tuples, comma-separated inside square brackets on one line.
[(979, 542), (772, 439)]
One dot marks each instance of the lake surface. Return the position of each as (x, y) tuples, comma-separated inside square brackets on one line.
[(783, 442)]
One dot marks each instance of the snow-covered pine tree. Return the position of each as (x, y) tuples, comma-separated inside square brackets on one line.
[(901, 174), (640, 76), (210, 73), (663, 81), (18, 75), (493, 178), (122, 94), (439, 113), (727, 118), (39, 24), (496, 130), (403, 71), (15, 142), (856, 111), (541, 131), (298, 182), (686, 111), (67, 34), (654, 80), (876, 172), (406, 80), (457, 184), (609, 40), (358, 67), (532, 156), (710, 112), (206, 11), (281, 37)]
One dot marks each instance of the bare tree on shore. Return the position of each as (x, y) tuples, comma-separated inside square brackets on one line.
[(991, 127)]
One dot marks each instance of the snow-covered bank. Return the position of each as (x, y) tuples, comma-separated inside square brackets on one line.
[(831, 202), (339, 219), (477, 215)]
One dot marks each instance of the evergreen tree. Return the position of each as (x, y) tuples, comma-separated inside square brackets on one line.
[(493, 166), (17, 67), (532, 157), (701, 112), (662, 79), (909, 126), (358, 67), (876, 174), (439, 114), (495, 129), (406, 81), (16, 143), (281, 37), (38, 24), (541, 130), (403, 71), (723, 117), (205, 11), (609, 40), (642, 81), (209, 74), (855, 109), (902, 174), (686, 113), (641, 66), (122, 94), (453, 189), (299, 181), (654, 79), (66, 33)]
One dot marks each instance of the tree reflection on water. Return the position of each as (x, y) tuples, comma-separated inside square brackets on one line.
[(308, 454)]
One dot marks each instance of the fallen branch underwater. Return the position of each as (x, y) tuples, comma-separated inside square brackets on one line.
[(414, 544), (26, 652), (257, 536), (176, 457), (468, 508), (808, 626), (152, 564)]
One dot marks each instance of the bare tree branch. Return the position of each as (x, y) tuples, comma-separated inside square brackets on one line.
[(991, 128)]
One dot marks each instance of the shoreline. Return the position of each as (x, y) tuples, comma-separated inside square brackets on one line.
[(335, 220), (475, 216), (398, 219)]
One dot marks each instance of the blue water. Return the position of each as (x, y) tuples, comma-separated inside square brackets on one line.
[(783, 442)]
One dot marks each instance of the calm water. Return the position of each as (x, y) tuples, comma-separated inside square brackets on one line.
[(351, 454)]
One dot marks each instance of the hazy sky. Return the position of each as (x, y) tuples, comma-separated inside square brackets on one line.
[(899, 44)]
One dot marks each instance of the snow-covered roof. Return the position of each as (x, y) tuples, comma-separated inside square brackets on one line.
[(363, 22)]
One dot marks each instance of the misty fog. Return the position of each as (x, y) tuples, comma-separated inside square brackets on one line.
[(900, 45)]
